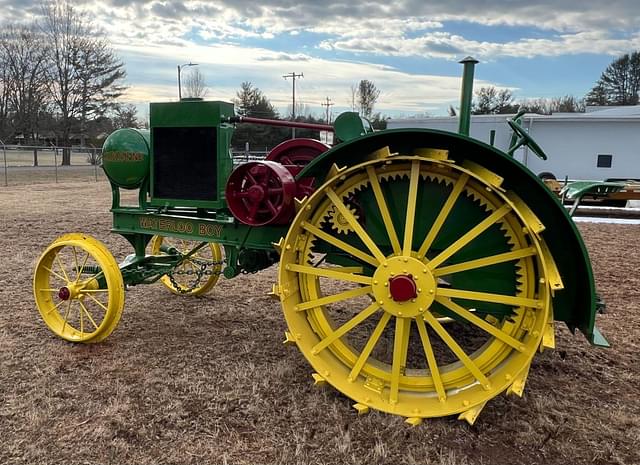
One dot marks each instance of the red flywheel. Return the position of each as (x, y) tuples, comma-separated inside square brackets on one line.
[(298, 152), (260, 193)]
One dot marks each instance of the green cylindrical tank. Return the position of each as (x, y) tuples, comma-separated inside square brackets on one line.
[(125, 157)]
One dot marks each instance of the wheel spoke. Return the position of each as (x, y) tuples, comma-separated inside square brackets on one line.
[(57, 275), (84, 309), (271, 207), (64, 272), (384, 210), (411, 208), (443, 215), (348, 269), (81, 318), (345, 328), (341, 244), (86, 291), (81, 269), (66, 315), (75, 260), (329, 273), (480, 323), (368, 348), (55, 307), (488, 297), (469, 236), (431, 359), (485, 261), (357, 227), (330, 299), (457, 350), (251, 179), (98, 302), (253, 210), (400, 348)]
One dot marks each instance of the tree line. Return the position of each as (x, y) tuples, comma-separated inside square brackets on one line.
[(60, 80), (251, 101), (619, 84)]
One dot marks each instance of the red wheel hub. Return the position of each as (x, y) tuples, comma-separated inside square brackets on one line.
[(256, 193), (402, 288), (260, 193), (64, 293)]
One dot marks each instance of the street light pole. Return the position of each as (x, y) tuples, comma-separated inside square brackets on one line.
[(179, 83)]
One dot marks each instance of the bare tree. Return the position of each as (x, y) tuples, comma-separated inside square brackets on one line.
[(25, 53), (4, 96), (195, 85), (368, 95), (567, 104), (83, 74), (547, 106), (491, 101)]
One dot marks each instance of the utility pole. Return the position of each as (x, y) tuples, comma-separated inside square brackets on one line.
[(293, 75), (328, 104)]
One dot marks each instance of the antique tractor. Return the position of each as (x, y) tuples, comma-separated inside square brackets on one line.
[(419, 270)]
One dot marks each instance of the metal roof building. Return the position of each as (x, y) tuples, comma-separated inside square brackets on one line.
[(602, 143)]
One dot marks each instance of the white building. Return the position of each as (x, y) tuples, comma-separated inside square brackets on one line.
[(603, 143)]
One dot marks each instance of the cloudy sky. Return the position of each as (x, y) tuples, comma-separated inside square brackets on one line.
[(408, 48)]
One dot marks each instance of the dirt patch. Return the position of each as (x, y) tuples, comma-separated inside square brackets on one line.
[(207, 379)]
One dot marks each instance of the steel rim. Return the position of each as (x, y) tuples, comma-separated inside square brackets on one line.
[(78, 289), (393, 385)]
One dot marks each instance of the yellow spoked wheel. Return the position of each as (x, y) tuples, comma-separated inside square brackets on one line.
[(78, 289), (196, 275), (433, 242)]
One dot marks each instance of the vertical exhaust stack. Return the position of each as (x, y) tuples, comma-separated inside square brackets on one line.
[(466, 95)]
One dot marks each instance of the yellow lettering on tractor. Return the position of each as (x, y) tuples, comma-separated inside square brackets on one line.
[(212, 230), (123, 156)]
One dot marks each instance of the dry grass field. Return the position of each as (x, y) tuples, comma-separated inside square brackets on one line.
[(198, 380)]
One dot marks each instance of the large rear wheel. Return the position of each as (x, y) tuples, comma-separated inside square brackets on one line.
[(417, 286)]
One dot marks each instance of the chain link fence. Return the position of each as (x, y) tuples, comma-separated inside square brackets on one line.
[(23, 164)]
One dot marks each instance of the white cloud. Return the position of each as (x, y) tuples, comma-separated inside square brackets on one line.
[(400, 91), (446, 45), (404, 28)]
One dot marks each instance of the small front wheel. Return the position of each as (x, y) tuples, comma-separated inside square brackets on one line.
[(78, 289)]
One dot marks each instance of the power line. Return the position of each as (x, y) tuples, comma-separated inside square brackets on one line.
[(328, 104), (293, 75)]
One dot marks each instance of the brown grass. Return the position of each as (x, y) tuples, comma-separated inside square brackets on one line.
[(207, 380)]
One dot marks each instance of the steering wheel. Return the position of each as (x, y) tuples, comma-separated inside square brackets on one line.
[(523, 138)]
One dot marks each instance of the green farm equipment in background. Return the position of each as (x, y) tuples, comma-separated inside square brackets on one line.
[(420, 271)]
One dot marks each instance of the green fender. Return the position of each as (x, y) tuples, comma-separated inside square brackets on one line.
[(577, 304)]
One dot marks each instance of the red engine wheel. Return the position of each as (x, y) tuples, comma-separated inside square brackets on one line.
[(260, 193), (298, 152)]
